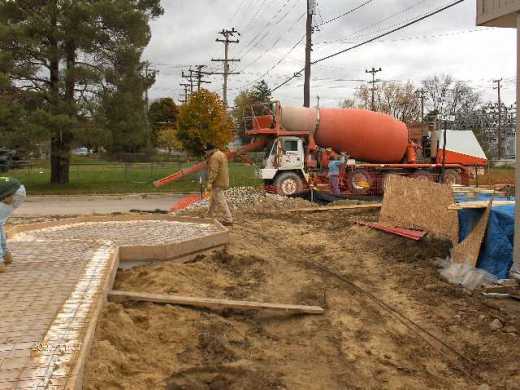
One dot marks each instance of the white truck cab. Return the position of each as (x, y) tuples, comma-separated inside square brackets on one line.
[(284, 165)]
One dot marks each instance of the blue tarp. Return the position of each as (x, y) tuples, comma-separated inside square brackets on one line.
[(496, 254)]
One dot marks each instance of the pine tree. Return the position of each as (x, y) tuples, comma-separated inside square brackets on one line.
[(59, 53)]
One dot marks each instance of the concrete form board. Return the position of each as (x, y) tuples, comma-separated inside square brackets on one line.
[(70, 296), (168, 251)]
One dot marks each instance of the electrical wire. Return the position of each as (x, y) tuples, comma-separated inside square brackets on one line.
[(275, 43), (298, 43), (380, 22), (265, 30), (239, 8), (345, 13), (410, 23), (426, 36)]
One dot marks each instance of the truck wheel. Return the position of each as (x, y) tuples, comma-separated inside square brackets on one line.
[(360, 182), (288, 183), (451, 176)]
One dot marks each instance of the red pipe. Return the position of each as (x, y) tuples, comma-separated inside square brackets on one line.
[(257, 145)]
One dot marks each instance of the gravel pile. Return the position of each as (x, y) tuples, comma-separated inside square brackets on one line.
[(253, 199)]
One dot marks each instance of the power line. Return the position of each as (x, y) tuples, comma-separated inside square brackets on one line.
[(380, 22), (264, 31), (238, 10), (417, 20), (275, 43), (246, 26), (276, 64), (345, 13), (426, 36)]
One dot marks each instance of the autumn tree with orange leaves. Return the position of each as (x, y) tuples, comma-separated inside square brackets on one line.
[(202, 120)]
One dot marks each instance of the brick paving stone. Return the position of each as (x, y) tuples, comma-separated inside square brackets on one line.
[(125, 233)]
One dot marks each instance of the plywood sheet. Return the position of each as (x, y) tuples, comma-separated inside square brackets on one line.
[(421, 205), (468, 250)]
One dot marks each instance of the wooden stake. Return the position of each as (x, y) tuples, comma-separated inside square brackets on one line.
[(121, 296)]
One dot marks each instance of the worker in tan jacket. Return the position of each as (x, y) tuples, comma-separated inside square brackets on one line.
[(218, 182)]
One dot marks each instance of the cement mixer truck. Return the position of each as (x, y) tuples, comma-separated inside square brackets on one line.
[(298, 143)]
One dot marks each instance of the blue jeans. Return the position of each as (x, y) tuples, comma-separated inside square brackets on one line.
[(334, 184)]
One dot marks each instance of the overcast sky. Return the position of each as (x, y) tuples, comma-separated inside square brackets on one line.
[(446, 43)]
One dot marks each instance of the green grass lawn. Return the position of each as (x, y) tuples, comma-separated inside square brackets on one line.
[(109, 178), (497, 176)]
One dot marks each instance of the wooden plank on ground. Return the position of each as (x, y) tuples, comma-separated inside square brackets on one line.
[(210, 303), (333, 208), (480, 204)]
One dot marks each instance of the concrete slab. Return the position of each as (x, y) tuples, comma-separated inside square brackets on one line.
[(53, 294)]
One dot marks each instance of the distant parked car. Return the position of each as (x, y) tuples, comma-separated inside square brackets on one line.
[(81, 152), (8, 159)]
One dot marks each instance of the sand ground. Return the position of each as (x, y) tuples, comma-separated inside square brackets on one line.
[(438, 337)]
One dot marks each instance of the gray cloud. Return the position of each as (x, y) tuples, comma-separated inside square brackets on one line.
[(446, 43)]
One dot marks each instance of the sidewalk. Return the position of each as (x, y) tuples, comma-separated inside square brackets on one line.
[(53, 205)]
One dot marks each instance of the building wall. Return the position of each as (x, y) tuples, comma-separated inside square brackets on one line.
[(497, 13)]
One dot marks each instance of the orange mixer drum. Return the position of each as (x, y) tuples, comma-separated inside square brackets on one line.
[(364, 135)]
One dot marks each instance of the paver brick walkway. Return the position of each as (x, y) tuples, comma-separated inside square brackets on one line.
[(51, 296), (47, 298)]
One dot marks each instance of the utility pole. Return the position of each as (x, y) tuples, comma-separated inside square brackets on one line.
[(311, 10), (186, 91), (189, 77), (147, 73), (373, 71), (227, 34), (499, 129), (199, 75), (420, 93)]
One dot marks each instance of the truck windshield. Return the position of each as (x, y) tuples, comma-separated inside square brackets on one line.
[(291, 146)]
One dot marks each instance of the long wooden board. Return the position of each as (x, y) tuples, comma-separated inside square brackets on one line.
[(121, 296), (480, 204), (332, 208)]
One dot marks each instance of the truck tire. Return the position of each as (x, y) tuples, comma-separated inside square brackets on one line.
[(361, 182), (452, 176), (288, 183)]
